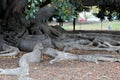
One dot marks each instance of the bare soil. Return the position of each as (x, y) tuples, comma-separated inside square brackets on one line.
[(66, 70)]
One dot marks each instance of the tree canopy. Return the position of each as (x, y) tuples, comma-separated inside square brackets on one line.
[(64, 8), (109, 8), (67, 9)]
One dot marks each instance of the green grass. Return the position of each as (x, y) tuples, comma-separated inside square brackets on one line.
[(93, 26)]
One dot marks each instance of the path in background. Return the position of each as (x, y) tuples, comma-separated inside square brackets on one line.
[(93, 25)]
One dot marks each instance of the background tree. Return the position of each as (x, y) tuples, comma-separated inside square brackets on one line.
[(109, 8)]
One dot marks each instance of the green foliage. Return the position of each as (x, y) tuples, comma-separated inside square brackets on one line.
[(67, 9), (109, 8), (64, 9), (32, 8)]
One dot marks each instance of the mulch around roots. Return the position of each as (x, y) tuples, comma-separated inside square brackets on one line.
[(65, 70)]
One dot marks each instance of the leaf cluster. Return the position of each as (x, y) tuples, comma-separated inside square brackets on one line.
[(32, 8), (109, 8), (64, 9)]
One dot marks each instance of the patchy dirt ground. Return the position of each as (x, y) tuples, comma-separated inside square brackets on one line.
[(65, 70)]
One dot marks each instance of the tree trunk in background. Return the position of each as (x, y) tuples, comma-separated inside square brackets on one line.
[(74, 23)]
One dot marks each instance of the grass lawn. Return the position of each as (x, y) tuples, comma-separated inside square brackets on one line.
[(93, 26)]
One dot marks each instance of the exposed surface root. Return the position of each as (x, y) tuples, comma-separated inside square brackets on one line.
[(9, 50), (60, 55), (64, 43), (24, 62)]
